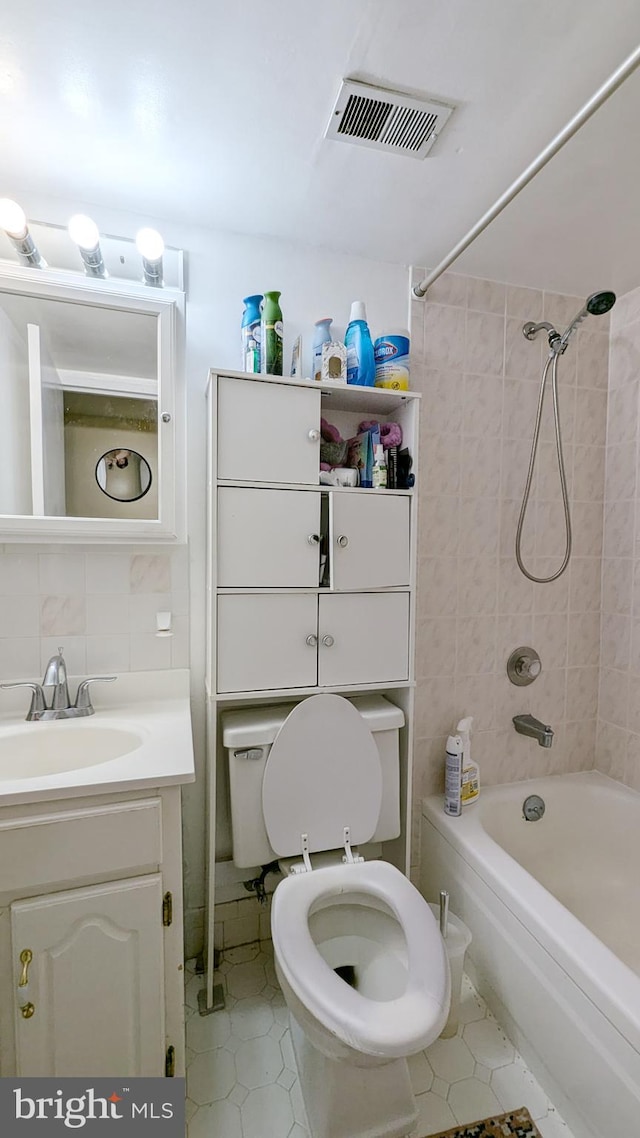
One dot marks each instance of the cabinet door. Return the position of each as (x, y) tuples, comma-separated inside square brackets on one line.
[(267, 641), (268, 432), (96, 981), (268, 538), (369, 536), (363, 638)]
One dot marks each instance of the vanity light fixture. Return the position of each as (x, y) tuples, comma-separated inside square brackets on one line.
[(84, 231), (14, 222), (150, 246)]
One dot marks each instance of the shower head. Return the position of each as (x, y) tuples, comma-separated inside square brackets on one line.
[(600, 302), (595, 305)]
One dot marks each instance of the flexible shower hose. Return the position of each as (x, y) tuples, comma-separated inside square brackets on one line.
[(553, 362)]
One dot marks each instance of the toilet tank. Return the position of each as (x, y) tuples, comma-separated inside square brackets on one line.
[(247, 736)]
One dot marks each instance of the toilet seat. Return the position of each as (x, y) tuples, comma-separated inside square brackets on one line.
[(322, 776), (393, 1028)]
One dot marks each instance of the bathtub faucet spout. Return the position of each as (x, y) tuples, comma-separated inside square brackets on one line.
[(527, 725)]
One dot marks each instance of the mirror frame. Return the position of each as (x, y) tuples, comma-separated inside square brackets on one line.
[(168, 305)]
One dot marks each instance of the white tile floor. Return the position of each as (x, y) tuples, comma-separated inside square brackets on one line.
[(241, 1073)]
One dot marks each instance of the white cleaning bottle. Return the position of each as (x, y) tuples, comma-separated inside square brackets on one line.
[(470, 781), (453, 776)]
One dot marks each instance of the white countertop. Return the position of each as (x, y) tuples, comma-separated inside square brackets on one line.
[(153, 705)]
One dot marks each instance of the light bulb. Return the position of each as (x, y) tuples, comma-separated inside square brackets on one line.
[(12, 218), (149, 244), (84, 231)]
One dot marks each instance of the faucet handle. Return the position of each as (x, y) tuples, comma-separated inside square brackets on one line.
[(38, 703), (83, 696)]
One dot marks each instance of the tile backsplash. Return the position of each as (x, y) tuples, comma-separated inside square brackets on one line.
[(100, 604)]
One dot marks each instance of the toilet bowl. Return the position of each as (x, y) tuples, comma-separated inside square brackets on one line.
[(361, 962), (358, 952)]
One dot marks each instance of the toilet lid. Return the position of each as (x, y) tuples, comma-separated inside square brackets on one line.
[(323, 773)]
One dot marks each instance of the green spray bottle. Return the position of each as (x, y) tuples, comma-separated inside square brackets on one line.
[(272, 334)]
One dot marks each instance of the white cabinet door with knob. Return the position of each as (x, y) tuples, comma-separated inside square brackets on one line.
[(369, 539), (268, 538), (88, 974), (267, 641), (268, 432), (363, 638), (277, 641)]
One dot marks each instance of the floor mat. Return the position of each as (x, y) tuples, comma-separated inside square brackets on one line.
[(513, 1124)]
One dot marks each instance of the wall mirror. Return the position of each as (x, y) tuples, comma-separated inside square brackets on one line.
[(92, 411)]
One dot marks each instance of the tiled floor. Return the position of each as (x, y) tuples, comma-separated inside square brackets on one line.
[(241, 1073)]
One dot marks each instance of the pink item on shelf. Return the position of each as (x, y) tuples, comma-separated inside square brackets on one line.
[(329, 433), (390, 433)]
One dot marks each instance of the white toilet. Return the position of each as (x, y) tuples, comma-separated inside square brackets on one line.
[(358, 953)]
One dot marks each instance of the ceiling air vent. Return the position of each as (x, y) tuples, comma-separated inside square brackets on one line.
[(386, 120)]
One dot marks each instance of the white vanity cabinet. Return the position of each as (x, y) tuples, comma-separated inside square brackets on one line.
[(97, 952), (311, 588), (91, 967)]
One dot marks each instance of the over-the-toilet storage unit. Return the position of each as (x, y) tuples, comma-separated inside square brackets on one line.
[(273, 632)]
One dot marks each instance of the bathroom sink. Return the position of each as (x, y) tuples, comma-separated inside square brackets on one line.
[(51, 748)]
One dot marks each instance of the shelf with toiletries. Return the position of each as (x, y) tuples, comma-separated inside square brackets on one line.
[(295, 432)]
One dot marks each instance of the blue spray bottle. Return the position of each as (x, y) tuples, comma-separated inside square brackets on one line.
[(250, 331), (360, 359)]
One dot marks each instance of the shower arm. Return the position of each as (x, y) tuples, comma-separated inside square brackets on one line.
[(615, 80), (557, 343)]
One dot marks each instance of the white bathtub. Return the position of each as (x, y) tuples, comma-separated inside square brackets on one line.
[(554, 908)]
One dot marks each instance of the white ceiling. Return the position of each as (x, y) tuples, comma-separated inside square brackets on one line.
[(215, 112)]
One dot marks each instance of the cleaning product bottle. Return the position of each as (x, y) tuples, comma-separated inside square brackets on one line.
[(470, 783), (322, 335), (453, 776), (360, 358), (250, 332), (379, 469), (272, 334), (391, 353)]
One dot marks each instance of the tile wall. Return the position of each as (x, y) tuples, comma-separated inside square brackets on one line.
[(98, 602), (480, 381), (619, 705)]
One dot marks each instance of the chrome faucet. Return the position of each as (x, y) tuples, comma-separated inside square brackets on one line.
[(55, 677), (527, 725)]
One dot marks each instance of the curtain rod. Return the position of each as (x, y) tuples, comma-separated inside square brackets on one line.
[(595, 102)]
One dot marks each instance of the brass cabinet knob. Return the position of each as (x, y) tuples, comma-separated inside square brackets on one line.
[(26, 956)]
